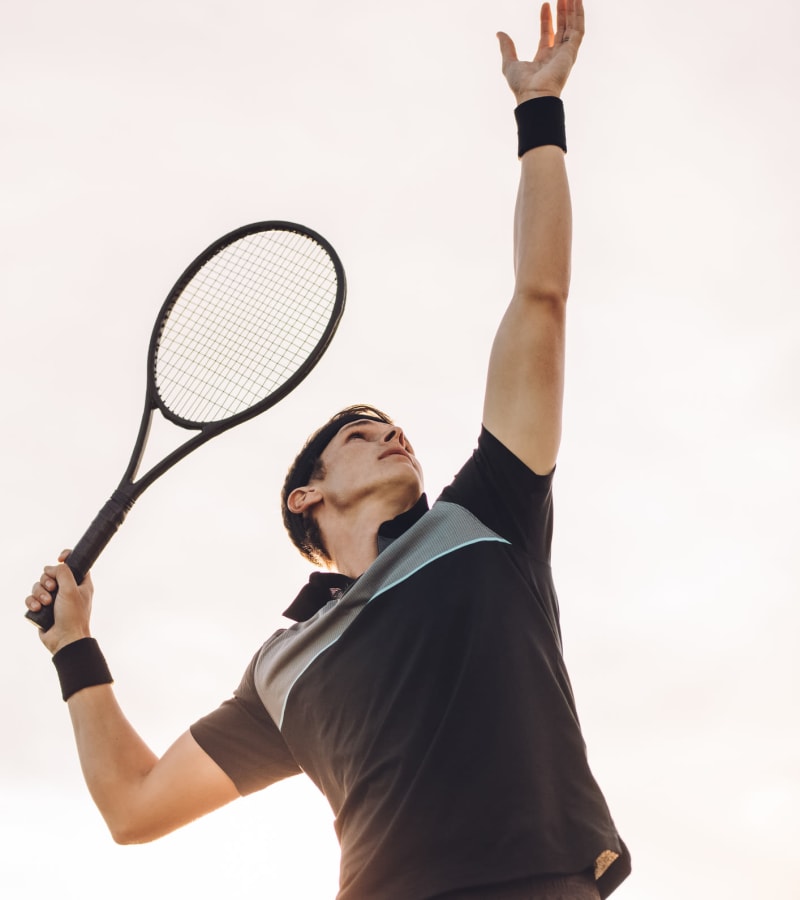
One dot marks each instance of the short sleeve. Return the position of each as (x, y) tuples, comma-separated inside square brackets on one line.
[(242, 739), (507, 496)]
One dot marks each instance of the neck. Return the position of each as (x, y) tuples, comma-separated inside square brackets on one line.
[(351, 536)]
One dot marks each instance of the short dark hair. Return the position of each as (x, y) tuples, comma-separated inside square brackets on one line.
[(303, 529)]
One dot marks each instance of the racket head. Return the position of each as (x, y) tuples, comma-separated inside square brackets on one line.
[(245, 323)]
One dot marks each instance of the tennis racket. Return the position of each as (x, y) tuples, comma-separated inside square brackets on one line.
[(242, 327)]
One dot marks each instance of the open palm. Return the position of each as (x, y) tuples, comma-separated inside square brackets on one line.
[(547, 73)]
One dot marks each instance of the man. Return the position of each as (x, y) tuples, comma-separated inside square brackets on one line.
[(422, 687)]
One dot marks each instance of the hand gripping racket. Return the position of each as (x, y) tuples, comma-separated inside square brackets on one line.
[(241, 328)]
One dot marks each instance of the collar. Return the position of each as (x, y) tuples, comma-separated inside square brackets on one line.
[(391, 530), (323, 587)]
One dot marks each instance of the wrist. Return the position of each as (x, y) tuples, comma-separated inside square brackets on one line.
[(80, 664), (65, 640), (540, 123), (522, 96)]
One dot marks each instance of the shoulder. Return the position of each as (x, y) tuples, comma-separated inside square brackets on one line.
[(504, 493), (493, 468)]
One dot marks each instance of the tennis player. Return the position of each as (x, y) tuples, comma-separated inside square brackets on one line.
[(421, 685)]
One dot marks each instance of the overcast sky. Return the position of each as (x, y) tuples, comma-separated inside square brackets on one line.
[(135, 134)]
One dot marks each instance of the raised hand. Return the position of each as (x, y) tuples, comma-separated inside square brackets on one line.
[(546, 74)]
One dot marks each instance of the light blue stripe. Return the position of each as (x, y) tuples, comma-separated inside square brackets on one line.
[(433, 559)]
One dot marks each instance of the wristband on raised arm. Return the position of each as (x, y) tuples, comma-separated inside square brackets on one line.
[(540, 122)]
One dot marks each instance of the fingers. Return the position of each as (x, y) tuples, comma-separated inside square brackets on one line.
[(51, 579), (547, 38), (40, 593), (570, 23), (569, 26)]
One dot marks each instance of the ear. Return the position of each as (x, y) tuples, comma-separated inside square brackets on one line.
[(302, 499)]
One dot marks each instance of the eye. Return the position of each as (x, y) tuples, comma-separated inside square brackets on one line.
[(354, 434)]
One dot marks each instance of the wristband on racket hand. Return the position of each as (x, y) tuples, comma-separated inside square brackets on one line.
[(540, 122), (79, 665)]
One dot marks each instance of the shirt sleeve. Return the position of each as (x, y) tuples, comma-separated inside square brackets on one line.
[(507, 496), (243, 740)]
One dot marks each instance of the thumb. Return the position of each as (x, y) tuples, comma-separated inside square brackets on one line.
[(507, 49), (63, 576), (68, 571)]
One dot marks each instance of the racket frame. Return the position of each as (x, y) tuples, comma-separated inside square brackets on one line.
[(129, 489)]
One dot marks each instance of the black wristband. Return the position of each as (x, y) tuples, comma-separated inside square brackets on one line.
[(540, 122), (81, 664)]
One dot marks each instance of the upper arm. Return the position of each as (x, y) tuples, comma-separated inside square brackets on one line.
[(182, 786), (525, 383)]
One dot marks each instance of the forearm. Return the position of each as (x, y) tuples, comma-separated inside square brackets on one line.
[(543, 221), (114, 759), (543, 226), (140, 795)]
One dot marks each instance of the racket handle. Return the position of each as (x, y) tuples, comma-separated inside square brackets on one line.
[(86, 551)]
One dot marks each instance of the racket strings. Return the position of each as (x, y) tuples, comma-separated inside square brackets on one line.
[(237, 367), (244, 324)]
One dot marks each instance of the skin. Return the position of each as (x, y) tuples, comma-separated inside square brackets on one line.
[(367, 479), (370, 475)]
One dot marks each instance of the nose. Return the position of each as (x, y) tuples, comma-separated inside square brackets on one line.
[(395, 433)]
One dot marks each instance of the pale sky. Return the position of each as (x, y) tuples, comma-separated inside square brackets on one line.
[(135, 134)]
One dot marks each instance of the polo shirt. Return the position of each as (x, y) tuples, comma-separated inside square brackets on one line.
[(429, 701)]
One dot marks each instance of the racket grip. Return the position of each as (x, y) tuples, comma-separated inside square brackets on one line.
[(87, 550)]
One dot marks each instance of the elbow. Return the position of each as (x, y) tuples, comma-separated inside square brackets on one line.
[(126, 836), (552, 295), (126, 831), (123, 839)]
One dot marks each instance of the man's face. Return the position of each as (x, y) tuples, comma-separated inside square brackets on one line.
[(367, 457)]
